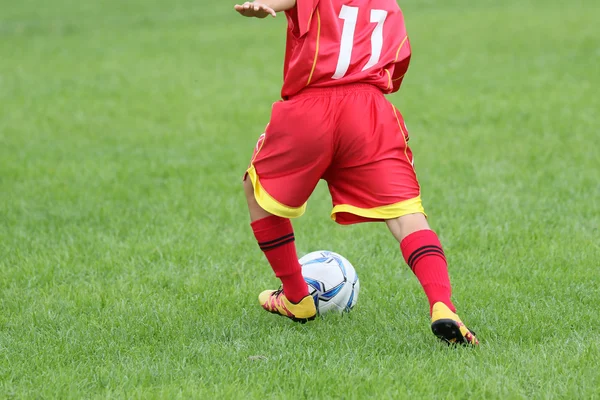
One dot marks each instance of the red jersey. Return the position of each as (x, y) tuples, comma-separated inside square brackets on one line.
[(337, 42)]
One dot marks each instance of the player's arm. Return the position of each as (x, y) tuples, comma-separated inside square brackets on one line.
[(260, 9)]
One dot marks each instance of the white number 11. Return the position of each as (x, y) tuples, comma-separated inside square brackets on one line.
[(350, 17)]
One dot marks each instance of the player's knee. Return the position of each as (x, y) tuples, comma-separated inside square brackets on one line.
[(247, 183), (403, 226), (249, 190)]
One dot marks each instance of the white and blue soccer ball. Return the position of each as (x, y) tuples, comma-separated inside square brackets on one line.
[(332, 281)]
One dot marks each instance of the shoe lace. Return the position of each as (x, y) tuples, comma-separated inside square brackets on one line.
[(275, 299)]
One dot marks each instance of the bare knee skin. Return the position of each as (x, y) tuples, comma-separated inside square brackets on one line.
[(255, 210), (403, 226)]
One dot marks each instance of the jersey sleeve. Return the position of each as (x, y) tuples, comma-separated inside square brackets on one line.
[(304, 13), (401, 64)]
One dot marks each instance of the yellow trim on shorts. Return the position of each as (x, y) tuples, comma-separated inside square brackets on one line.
[(404, 135), (268, 203), (410, 206)]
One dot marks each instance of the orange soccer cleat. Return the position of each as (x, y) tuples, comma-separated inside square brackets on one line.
[(447, 326), (274, 301)]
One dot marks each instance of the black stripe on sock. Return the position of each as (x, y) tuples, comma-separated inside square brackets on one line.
[(276, 240), (276, 245), (421, 251), (414, 253), (426, 253)]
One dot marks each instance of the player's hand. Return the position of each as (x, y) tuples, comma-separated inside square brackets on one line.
[(257, 10)]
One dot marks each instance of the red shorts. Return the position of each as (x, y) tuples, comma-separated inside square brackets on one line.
[(352, 137)]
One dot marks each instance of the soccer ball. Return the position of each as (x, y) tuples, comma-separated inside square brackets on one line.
[(332, 281)]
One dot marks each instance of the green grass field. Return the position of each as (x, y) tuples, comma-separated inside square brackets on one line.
[(127, 265)]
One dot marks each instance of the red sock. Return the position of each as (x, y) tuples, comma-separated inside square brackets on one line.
[(275, 237), (423, 253)]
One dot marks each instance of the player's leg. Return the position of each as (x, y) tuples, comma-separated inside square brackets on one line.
[(254, 209), (274, 196), (374, 180), (275, 237), (425, 256)]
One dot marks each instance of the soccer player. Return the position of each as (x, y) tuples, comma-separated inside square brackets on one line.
[(334, 123)]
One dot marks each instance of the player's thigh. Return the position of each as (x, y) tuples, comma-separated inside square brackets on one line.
[(372, 176), (382, 184), (291, 156)]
